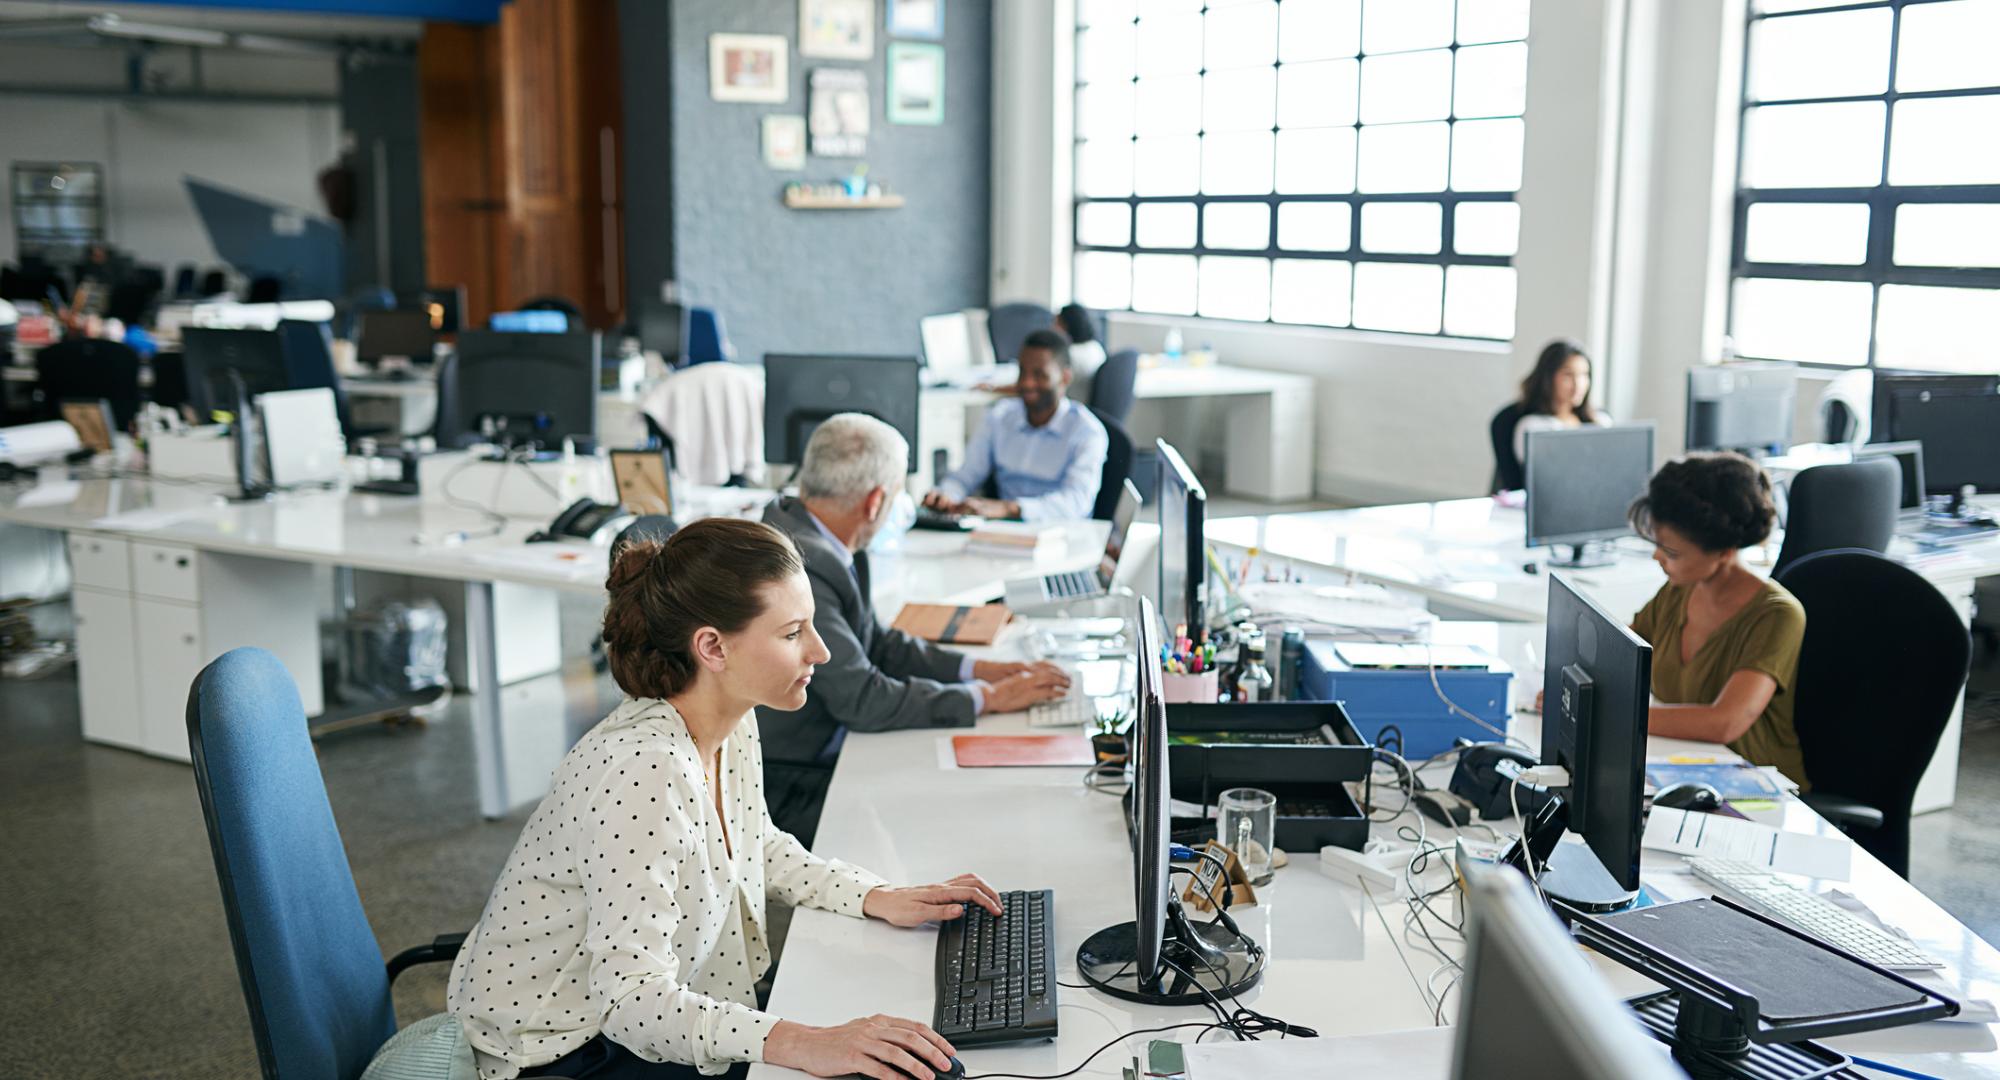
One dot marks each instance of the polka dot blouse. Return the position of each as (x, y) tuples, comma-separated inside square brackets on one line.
[(623, 911)]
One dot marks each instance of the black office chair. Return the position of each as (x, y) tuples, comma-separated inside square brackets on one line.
[(1010, 324), (1508, 475), (213, 284), (1115, 386), (184, 276), (1836, 507), (1117, 465), (266, 290), (1883, 661), (89, 369), (446, 427)]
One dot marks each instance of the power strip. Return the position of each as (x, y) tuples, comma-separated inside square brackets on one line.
[(1348, 865)]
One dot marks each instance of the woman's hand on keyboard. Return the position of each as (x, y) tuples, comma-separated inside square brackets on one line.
[(884, 1047), (1043, 682), (915, 905)]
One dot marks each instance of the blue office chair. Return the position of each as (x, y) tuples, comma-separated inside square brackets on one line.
[(1010, 324), (312, 974), (707, 341), (1114, 389)]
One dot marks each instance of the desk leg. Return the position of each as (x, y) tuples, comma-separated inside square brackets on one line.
[(1939, 786), (488, 737)]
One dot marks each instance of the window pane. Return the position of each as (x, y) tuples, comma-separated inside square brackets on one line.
[(1943, 234), (1835, 233), (1492, 81), (1943, 46), (1314, 226), (1243, 226), (1318, 29), (1234, 287), (1104, 53), (1166, 225), (1163, 284), (1239, 100), (1316, 161), (1398, 25), (1479, 301), (1486, 155), (1407, 86), (1492, 20), (1169, 43), (1946, 141), (1236, 163), (1486, 228), (1794, 5), (1104, 111), (1837, 145), (1838, 54), (1402, 228), (1938, 329), (1312, 291), (1099, 12), (1813, 322), (1317, 95), (1242, 35), (1104, 167), (1104, 279), (1398, 296), (1403, 157), (1170, 105), (1167, 165), (1104, 224)]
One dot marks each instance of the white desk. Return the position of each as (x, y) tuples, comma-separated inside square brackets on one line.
[(897, 807), (240, 574)]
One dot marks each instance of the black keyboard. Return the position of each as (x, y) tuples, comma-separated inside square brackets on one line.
[(928, 518), (996, 976)]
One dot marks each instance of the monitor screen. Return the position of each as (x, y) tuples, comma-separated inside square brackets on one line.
[(523, 388), (1960, 433), (404, 332), (801, 391), (1596, 686), (1150, 863), (1910, 458), (1182, 554), (209, 356), (1746, 406), (1581, 481)]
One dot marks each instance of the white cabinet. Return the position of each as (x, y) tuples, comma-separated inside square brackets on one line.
[(166, 572), (106, 662), (169, 640), (100, 562)]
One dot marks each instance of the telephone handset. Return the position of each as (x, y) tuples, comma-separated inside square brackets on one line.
[(584, 520)]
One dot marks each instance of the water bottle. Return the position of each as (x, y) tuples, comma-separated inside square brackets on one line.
[(1173, 344)]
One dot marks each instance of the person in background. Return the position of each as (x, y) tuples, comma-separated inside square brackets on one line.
[(1086, 353), (1043, 452), (1556, 395), (625, 934)]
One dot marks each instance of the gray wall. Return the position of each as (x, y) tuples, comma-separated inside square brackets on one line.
[(849, 281)]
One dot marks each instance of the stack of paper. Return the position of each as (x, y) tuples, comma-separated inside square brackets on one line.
[(1015, 539)]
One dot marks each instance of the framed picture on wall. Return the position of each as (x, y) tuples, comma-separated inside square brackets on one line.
[(837, 107), (916, 19), (785, 141), (837, 29), (749, 68), (916, 83)]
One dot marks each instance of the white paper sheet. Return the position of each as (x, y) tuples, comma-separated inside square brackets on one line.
[(1717, 836)]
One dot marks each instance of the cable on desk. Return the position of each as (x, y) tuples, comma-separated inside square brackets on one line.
[(1892, 1070), (1085, 1063)]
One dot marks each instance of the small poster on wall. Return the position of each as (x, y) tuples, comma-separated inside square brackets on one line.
[(916, 83), (837, 29), (916, 19), (838, 112), (748, 67), (785, 142)]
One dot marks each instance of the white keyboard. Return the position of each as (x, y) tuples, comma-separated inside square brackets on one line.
[(1071, 710), (1778, 898), (1089, 681)]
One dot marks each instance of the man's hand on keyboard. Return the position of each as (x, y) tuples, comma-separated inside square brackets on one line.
[(993, 671), (1041, 682), (915, 905)]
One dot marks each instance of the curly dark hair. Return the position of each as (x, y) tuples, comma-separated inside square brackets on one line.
[(1721, 502), (707, 574)]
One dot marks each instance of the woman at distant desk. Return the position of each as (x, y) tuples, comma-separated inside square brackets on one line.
[(1556, 395)]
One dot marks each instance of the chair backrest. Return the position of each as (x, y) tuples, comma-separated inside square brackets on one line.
[(308, 348), (311, 970), (1010, 324), (91, 368), (1880, 670), (1115, 386), (1834, 507), (266, 290), (1507, 472), (1117, 465), (706, 340), (446, 422)]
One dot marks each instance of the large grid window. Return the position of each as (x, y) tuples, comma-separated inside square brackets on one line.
[(1319, 162), (1868, 185)]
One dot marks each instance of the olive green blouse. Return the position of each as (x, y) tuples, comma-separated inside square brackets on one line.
[(1763, 636)]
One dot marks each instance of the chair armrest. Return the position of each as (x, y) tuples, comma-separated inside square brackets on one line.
[(444, 948), (1843, 811)]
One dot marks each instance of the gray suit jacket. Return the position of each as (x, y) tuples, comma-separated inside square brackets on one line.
[(878, 679)]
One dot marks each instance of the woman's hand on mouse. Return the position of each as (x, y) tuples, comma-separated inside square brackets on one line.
[(882, 1047), (916, 905)]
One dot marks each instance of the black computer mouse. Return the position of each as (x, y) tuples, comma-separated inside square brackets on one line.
[(956, 1072), (1700, 798)]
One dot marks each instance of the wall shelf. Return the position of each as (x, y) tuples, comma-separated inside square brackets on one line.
[(800, 201)]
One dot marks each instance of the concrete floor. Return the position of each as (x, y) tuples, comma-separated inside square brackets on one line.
[(117, 960)]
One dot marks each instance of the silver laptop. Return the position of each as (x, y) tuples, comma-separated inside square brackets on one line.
[(1910, 456), (1025, 593)]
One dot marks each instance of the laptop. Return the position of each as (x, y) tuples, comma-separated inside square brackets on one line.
[(1912, 517), (1044, 590)]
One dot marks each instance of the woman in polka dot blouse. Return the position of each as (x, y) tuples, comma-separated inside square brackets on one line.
[(626, 932)]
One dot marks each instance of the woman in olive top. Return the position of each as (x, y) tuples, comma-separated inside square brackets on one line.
[(1725, 641)]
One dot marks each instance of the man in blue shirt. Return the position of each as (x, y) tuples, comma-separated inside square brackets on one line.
[(1043, 452)]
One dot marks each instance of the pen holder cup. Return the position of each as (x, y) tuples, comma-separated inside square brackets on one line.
[(1188, 689)]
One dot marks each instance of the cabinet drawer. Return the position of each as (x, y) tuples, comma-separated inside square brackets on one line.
[(169, 641), (166, 571), (100, 562)]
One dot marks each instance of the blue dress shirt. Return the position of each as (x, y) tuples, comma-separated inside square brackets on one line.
[(1052, 471)]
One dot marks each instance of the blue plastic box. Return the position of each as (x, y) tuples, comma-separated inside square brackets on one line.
[(1377, 698)]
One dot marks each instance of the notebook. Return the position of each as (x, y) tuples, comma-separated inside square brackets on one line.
[(1015, 751)]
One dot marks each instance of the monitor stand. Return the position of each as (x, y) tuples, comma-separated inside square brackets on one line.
[(1584, 556), (1575, 876), (1200, 962)]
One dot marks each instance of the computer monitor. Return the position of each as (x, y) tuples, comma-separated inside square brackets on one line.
[(1114, 542), (520, 389), (1909, 456), (1532, 1008), (1581, 481), (1596, 687), (208, 356), (662, 328), (1183, 545), (1956, 417), (947, 343), (535, 321), (405, 332), (802, 391), (1748, 406)]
